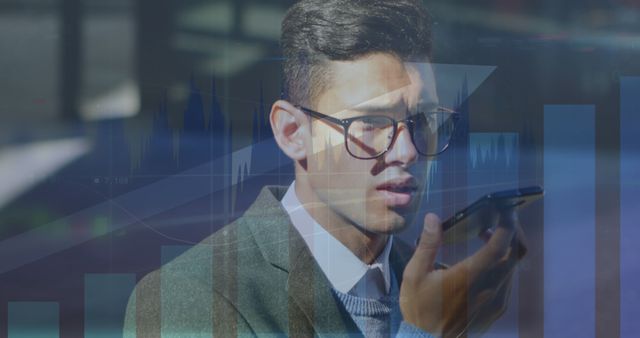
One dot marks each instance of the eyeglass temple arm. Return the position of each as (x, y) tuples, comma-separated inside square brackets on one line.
[(335, 121), (321, 116), (447, 110)]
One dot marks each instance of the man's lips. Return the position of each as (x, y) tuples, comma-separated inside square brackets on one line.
[(407, 184), (398, 192)]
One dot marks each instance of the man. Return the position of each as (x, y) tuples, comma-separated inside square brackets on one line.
[(361, 123)]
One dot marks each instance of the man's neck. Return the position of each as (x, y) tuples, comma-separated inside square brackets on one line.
[(365, 245)]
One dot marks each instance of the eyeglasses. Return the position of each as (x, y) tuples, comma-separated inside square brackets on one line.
[(369, 137)]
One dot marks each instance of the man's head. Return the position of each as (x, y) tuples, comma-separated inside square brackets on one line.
[(316, 32), (350, 58)]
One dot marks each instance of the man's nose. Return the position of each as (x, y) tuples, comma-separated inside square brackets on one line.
[(402, 151)]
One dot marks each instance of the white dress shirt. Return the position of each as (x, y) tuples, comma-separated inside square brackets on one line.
[(346, 272)]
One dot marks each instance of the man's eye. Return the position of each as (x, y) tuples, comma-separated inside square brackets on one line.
[(424, 121), (370, 124)]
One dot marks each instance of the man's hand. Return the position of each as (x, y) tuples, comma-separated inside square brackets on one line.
[(468, 296)]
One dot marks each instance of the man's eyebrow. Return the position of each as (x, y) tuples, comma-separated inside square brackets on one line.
[(395, 107), (372, 107), (428, 105)]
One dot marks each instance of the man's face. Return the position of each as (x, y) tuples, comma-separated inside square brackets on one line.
[(379, 195)]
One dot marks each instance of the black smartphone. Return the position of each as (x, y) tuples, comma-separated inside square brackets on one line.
[(463, 226)]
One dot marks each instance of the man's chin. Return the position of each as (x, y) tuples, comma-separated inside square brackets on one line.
[(389, 224), (403, 218)]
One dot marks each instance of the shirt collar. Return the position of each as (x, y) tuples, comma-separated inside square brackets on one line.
[(343, 269)]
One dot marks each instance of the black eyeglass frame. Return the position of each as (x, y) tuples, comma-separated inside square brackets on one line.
[(346, 123)]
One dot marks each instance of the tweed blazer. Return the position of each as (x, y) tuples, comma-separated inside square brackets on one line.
[(254, 277)]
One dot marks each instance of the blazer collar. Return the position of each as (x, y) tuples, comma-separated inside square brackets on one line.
[(283, 247), (270, 225)]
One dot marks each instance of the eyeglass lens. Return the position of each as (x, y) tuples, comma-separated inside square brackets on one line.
[(370, 136)]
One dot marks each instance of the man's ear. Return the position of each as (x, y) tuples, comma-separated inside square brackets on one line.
[(289, 129)]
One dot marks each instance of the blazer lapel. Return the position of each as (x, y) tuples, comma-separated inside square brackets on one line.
[(311, 291), (307, 286)]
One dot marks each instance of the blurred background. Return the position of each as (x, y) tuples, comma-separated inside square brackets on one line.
[(130, 130)]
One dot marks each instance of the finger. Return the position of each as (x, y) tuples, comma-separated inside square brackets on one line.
[(488, 312), (498, 244), (521, 246), (424, 257), (518, 248), (493, 278), (440, 266), (486, 235)]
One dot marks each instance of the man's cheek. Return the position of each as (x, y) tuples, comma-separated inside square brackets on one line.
[(327, 149)]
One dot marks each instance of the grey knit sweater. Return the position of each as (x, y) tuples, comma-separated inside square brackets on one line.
[(380, 317)]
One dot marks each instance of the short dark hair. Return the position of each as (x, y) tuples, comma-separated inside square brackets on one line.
[(317, 31)]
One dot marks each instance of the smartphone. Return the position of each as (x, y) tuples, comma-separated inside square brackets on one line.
[(467, 223)]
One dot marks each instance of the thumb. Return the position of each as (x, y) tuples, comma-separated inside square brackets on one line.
[(424, 257)]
